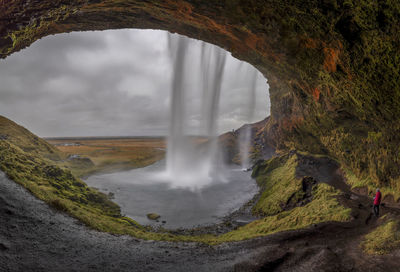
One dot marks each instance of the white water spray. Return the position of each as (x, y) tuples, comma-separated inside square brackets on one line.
[(188, 165), (245, 136)]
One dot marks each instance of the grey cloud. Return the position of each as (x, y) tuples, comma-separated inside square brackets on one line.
[(111, 83)]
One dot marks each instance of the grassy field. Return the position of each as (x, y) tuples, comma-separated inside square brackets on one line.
[(109, 154)]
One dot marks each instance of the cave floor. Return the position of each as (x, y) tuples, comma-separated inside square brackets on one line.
[(35, 237)]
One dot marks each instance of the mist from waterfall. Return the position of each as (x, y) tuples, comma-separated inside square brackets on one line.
[(188, 163), (245, 136)]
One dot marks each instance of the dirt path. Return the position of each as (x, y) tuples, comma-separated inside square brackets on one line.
[(34, 237)]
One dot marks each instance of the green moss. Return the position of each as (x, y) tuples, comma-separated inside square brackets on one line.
[(278, 183), (65, 193), (68, 194), (370, 184), (36, 27), (153, 216), (324, 207), (51, 183), (27, 141), (383, 239)]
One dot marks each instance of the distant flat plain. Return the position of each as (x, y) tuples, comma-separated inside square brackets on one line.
[(109, 154)]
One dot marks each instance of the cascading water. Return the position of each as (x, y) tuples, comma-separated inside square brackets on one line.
[(188, 164), (192, 186), (212, 67), (245, 135)]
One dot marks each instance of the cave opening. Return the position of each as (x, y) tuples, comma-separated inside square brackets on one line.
[(332, 69), (77, 88)]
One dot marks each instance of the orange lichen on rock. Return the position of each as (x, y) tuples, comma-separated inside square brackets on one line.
[(316, 93), (291, 123), (331, 52), (181, 8), (251, 41), (331, 59), (185, 7), (258, 43), (310, 43)]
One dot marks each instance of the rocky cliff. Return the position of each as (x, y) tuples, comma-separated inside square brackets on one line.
[(332, 65)]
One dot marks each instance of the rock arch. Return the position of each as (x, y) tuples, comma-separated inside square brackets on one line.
[(332, 65)]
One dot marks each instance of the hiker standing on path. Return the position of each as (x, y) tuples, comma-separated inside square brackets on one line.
[(377, 202)]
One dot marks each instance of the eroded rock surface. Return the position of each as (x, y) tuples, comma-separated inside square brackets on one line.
[(332, 65)]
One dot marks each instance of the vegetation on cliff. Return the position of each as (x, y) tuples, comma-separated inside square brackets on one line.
[(383, 239), (283, 203), (60, 189), (324, 207), (277, 179), (332, 65)]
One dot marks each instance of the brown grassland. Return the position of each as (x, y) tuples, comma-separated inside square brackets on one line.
[(111, 154)]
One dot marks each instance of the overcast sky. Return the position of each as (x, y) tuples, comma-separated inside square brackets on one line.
[(114, 83)]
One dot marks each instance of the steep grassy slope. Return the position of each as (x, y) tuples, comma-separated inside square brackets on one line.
[(27, 160), (26, 141), (283, 203), (383, 239), (323, 208), (277, 179)]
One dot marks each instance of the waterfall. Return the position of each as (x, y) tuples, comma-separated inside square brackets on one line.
[(176, 139), (245, 136), (188, 164), (212, 68)]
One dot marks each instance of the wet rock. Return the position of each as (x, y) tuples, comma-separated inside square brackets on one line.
[(3, 247), (388, 199), (111, 195), (7, 211), (354, 197), (153, 216), (307, 185)]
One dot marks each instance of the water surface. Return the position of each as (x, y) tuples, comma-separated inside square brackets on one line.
[(142, 191)]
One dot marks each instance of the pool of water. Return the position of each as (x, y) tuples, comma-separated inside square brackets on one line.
[(141, 191)]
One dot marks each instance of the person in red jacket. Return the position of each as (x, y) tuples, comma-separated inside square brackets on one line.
[(377, 202)]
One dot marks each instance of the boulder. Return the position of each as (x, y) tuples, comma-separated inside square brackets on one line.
[(153, 216)]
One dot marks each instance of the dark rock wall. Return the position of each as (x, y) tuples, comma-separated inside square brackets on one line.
[(332, 65)]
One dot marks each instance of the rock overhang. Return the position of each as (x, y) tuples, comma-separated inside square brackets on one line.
[(331, 65)]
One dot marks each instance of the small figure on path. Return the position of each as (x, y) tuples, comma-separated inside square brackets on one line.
[(377, 202)]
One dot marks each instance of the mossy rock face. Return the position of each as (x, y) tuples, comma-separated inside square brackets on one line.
[(333, 67), (153, 216)]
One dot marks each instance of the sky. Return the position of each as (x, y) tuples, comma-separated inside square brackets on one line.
[(116, 83)]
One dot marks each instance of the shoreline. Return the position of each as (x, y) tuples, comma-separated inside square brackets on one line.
[(231, 220)]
